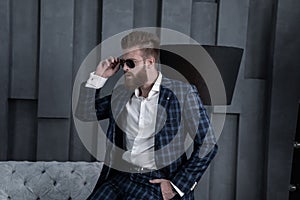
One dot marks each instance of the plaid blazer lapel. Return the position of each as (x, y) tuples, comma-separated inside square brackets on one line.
[(163, 102), (119, 99)]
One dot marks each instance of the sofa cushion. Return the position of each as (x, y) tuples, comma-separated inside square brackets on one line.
[(48, 180)]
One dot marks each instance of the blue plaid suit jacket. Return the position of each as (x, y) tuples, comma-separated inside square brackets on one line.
[(180, 112)]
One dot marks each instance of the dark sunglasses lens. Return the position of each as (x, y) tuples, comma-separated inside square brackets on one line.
[(130, 63)]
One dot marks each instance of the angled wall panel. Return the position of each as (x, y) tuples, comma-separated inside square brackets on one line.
[(87, 29), (53, 139), (202, 189), (258, 39), (56, 54), (204, 20), (233, 22), (284, 100), (117, 17), (23, 129), (4, 74), (176, 14), (145, 13), (248, 100), (24, 49), (223, 170), (86, 37)]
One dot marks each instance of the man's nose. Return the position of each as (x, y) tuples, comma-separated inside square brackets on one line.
[(125, 68)]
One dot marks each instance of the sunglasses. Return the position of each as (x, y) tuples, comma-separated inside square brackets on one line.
[(130, 63)]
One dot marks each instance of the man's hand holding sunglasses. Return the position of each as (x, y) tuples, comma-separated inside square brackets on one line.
[(108, 67)]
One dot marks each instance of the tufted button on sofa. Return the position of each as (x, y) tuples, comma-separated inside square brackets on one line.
[(47, 180)]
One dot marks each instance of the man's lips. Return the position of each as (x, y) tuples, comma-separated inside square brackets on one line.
[(128, 75)]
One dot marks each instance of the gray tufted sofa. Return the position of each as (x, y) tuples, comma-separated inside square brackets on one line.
[(47, 180)]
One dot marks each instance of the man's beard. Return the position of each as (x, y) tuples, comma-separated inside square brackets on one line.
[(135, 81)]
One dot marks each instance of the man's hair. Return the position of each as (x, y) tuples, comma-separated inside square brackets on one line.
[(147, 42)]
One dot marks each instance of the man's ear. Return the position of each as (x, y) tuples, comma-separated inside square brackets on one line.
[(151, 61)]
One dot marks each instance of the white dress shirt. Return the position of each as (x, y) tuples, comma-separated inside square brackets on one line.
[(138, 122)]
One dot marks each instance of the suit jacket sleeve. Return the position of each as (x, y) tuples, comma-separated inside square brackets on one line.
[(205, 148), (90, 106)]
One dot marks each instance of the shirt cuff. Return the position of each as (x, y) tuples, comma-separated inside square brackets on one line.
[(177, 190), (95, 81)]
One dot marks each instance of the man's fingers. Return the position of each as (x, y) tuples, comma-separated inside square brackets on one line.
[(116, 68), (157, 181), (166, 188), (111, 59), (110, 62), (105, 63), (108, 67)]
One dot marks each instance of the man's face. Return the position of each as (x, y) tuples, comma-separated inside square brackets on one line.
[(137, 76)]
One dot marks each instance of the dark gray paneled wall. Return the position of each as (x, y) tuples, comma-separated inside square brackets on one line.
[(171, 18), (204, 22), (223, 170), (24, 52), (56, 41), (248, 102), (284, 99), (5, 48), (117, 17), (43, 43), (55, 78), (87, 34), (149, 17), (260, 28), (22, 129)]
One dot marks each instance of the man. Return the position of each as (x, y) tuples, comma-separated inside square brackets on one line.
[(150, 117)]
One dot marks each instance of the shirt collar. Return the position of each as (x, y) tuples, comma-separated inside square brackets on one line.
[(155, 88)]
